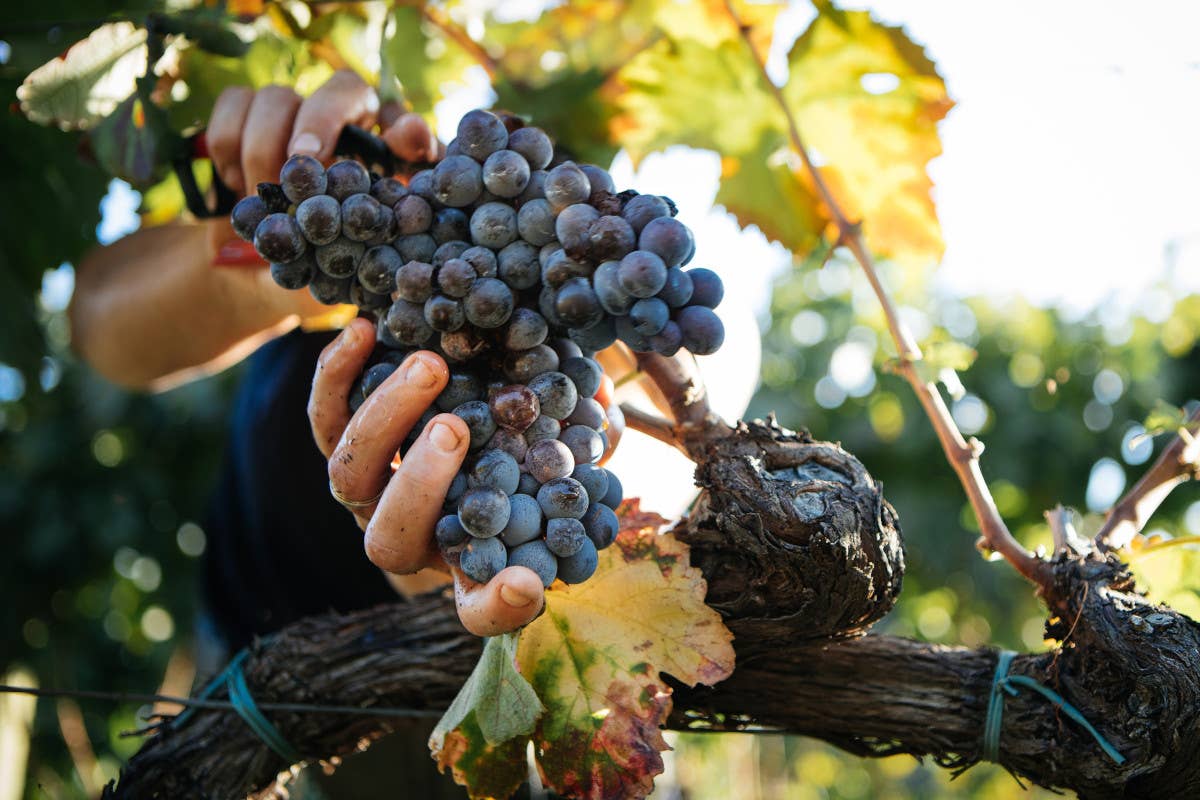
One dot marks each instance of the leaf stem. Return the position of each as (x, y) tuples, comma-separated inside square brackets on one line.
[(962, 454)]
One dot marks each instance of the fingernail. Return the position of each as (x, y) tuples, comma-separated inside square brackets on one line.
[(513, 597), (349, 337), (419, 374), (443, 437), (306, 142)]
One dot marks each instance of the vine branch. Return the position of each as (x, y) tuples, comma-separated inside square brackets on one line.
[(1178, 463), (962, 454)]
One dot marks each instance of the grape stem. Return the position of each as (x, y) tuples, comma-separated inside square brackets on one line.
[(1179, 462), (652, 425), (962, 454)]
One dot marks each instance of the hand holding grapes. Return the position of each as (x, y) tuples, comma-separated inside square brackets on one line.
[(398, 511)]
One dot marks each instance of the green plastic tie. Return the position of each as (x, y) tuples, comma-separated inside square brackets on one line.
[(1003, 683)]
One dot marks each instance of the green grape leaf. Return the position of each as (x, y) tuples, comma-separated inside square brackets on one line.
[(208, 29), (1164, 417), (594, 659), (135, 143), (88, 81), (868, 101), (424, 63), (503, 702)]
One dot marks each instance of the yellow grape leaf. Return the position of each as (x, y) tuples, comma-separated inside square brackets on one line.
[(594, 659), (709, 23), (868, 100)]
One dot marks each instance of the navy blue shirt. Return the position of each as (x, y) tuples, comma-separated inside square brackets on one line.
[(279, 546)]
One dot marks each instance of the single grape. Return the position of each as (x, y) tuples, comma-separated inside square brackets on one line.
[(330, 291), (497, 469), (517, 265), (585, 444), (565, 349), (599, 179), (246, 215), (594, 480), (278, 239), (384, 336), (482, 259), (302, 177), (560, 268), (556, 394), (421, 183), (418, 247), (546, 298), (543, 428), (388, 191), (588, 413), (667, 341), (566, 185), (629, 335), (378, 268), (494, 225), (565, 536), (537, 557), (596, 338), (458, 487), (535, 189), (667, 238), (572, 228), (579, 567), (462, 344), (444, 313), (524, 520), (577, 304), (702, 330), (643, 208), (448, 250), (609, 291), (510, 442), (320, 219), (455, 277), (362, 217), (375, 376), (534, 145), (515, 407), (346, 178), (610, 238), (414, 281), (536, 223), (479, 422), (549, 459), (457, 181), (505, 173), (601, 525), (449, 532), (677, 291), (483, 511), (489, 303), (294, 274), (481, 133), (561, 498), (642, 274), (462, 387), (522, 366), (649, 316), (340, 258), (413, 215), (529, 486), (526, 329), (585, 373), (406, 321), (615, 494), (449, 225), (482, 559), (709, 290)]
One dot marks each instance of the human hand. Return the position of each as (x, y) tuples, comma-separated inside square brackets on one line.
[(398, 508)]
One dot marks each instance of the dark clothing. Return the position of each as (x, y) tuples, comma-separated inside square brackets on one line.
[(279, 546)]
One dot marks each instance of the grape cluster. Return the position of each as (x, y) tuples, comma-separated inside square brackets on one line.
[(516, 272)]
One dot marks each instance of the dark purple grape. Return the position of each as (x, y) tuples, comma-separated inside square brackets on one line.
[(615, 494), (384, 336), (455, 277), (599, 179), (629, 335), (560, 268), (481, 133), (667, 238), (588, 413), (330, 291), (581, 566), (458, 486), (505, 173), (494, 225), (377, 269), (346, 178), (278, 239), (701, 329), (524, 520), (677, 291), (320, 219), (534, 145), (449, 532), (489, 303), (642, 274), (444, 314), (449, 225), (649, 315), (483, 511), (556, 394), (374, 377), (601, 525), (577, 305), (584, 443), (643, 208), (709, 291), (294, 274), (565, 536), (413, 215), (526, 329), (562, 498), (514, 407), (362, 217), (517, 265), (457, 181), (407, 324), (355, 400), (482, 559), (388, 191), (418, 247), (421, 183), (496, 469), (246, 215), (302, 177), (566, 185), (522, 366), (548, 459), (585, 373), (667, 341), (510, 442), (479, 422), (367, 300), (596, 338), (607, 284), (572, 228), (448, 250), (414, 281), (340, 258), (483, 260), (543, 428), (610, 238), (535, 189), (565, 349), (462, 387), (463, 344), (594, 480), (546, 298), (537, 557), (536, 223)]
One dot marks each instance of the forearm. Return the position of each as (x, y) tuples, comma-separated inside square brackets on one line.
[(150, 309)]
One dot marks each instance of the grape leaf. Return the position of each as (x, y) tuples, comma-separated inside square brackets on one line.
[(89, 81), (594, 658), (135, 143), (426, 63), (1164, 417), (868, 101)]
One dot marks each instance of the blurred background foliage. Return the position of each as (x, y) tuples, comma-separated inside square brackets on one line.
[(102, 488)]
